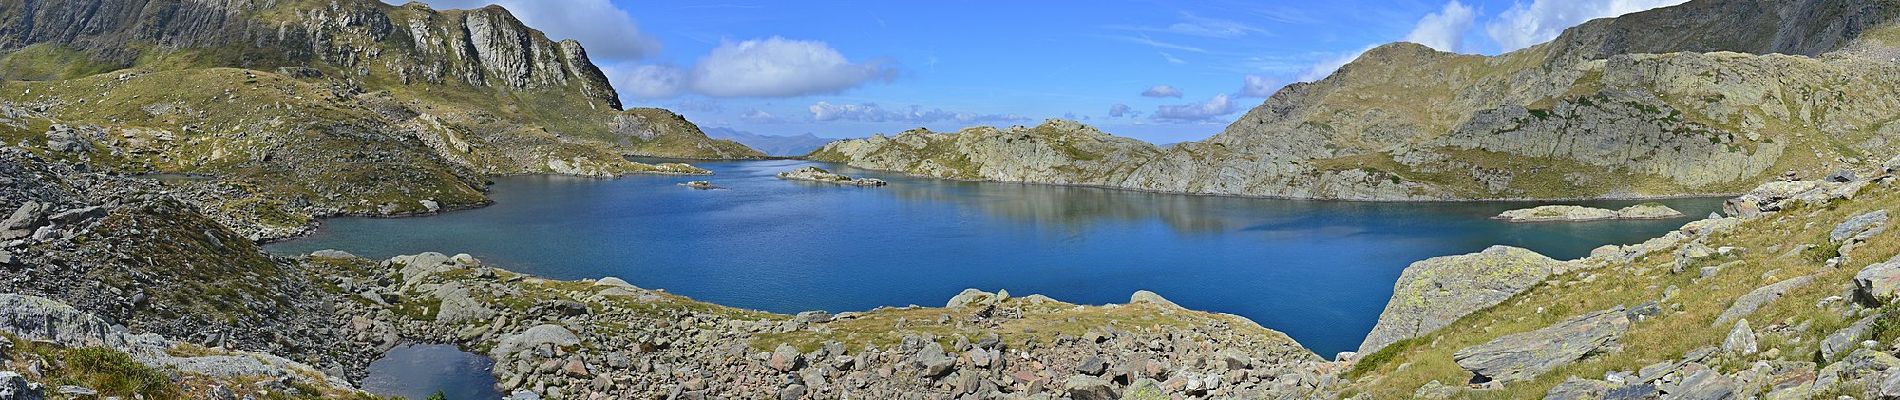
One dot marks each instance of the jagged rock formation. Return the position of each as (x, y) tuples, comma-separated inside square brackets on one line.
[(1691, 99), (310, 109)]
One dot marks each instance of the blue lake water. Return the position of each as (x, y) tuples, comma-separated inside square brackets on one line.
[(418, 370), (1319, 271)]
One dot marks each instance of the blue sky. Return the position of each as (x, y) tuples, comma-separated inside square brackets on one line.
[(1162, 71)]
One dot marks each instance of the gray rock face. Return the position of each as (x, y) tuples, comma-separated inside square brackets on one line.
[(1435, 292), (1524, 356), (15, 387), (1860, 227), (1879, 283), (536, 337), (1740, 340), (1748, 303), (481, 47)]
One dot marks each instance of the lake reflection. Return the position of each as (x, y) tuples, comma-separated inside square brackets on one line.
[(1319, 271)]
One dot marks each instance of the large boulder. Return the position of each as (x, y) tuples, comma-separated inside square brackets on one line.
[(535, 337), (1524, 356), (15, 387), (1859, 227), (1435, 292), (1748, 303), (1879, 283)]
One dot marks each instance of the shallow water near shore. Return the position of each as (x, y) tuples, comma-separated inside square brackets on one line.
[(1320, 271), (416, 371)]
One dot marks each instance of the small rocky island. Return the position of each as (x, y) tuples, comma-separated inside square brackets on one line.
[(702, 185), (815, 174), (1563, 213)]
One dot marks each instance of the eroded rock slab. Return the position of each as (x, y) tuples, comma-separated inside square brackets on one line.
[(1524, 356), (1435, 292)]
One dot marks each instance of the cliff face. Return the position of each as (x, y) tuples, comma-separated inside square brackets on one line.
[(485, 47), (1674, 101), (301, 109)]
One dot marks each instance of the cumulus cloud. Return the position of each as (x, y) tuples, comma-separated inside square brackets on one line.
[(1540, 21), (871, 112), (771, 67), (1122, 110), (758, 116), (607, 31), (1162, 91), (1210, 110), (648, 81), (779, 67), (1445, 30), (1257, 86), (1326, 66)]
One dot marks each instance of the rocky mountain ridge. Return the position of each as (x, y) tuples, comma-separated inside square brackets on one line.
[(293, 110), (1615, 108)]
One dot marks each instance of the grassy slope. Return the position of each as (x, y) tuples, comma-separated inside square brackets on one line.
[(1686, 321)]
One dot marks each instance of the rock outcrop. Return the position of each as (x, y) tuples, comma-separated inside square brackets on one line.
[(1433, 293), (815, 174), (1581, 214), (1526, 355)]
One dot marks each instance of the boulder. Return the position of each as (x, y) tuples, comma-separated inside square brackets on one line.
[(458, 307), (15, 387), (1704, 384), (1879, 283), (21, 223), (1526, 355), (1842, 176), (971, 297), (932, 360), (786, 358), (1578, 389), (1748, 303), (1859, 227), (1847, 338), (1084, 387), (1093, 365), (1740, 340), (1143, 296), (537, 336), (1435, 292)]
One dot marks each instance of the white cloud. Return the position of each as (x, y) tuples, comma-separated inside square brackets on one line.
[(1162, 91), (758, 116), (772, 67), (1326, 66), (1122, 110), (1210, 110), (1524, 25), (871, 112), (1196, 25), (1257, 86), (648, 81), (1172, 59), (1444, 30), (779, 67), (607, 31)]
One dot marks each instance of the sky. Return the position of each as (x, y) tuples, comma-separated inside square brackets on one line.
[(1160, 71)]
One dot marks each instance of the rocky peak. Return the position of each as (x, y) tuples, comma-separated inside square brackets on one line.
[(409, 44), (1795, 27)]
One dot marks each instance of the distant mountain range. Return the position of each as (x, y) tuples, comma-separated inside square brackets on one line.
[(776, 145)]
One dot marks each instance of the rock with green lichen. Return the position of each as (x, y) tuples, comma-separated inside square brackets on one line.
[(1435, 292)]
